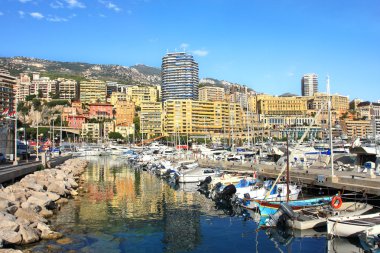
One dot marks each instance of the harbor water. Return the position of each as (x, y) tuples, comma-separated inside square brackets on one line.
[(125, 210)]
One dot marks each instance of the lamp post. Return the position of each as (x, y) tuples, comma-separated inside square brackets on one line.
[(37, 159)]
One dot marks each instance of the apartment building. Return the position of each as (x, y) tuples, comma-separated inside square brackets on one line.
[(357, 128), (271, 105), (125, 112), (151, 118), (179, 76), (7, 94), (42, 87), (92, 91), (211, 93), (201, 117), (67, 88), (139, 94)]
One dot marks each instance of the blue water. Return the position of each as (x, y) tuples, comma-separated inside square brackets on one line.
[(123, 210)]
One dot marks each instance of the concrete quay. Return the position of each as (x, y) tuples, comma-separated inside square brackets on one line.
[(10, 173), (313, 176)]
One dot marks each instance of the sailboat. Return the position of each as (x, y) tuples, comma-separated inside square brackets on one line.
[(268, 207)]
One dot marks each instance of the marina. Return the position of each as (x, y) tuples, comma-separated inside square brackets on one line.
[(136, 210)]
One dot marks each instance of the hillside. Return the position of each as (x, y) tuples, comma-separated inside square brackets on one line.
[(139, 74)]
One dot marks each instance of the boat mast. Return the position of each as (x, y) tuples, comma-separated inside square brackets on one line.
[(287, 166), (247, 118), (330, 126)]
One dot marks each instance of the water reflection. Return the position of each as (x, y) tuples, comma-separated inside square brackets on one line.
[(127, 210)]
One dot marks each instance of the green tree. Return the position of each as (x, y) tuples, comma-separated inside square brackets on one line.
[(40, 94), (37, 104), (30, 97), (115, 135)]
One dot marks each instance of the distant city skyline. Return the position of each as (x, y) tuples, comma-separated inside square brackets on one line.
[(266, 45)]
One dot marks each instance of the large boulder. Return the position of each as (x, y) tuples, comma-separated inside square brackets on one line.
[(10, 251), (53, 196), (31, 184), (31, 206), (30, 215), (57, 187), (47, 233), (4, 204), (42, 201), (46, 213), (10, 237), (29, 234)]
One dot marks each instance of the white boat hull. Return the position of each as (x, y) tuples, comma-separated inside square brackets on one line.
[(345, 226)]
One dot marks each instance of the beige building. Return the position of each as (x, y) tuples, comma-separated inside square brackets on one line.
[(90, 131), (211, 93), (125, 112), (139, 94), (67, 88), (125, 131), (22, 88), (339, 103), (368, 110), (201, 117), (93, 91), (118, 96), (42, 86), (357, 128), (97, 131), (7, 85), (151, 118), (271, 105)]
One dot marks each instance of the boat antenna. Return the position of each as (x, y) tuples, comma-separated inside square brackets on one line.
[(330, 126), (287, 166)]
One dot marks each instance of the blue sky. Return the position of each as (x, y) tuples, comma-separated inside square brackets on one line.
[(266, 44)]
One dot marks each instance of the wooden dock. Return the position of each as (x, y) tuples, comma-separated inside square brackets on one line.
[(343, 180)]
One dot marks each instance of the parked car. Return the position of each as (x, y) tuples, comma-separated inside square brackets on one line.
[(2, 158)]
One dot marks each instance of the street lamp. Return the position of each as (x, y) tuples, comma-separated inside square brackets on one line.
[(37, 159)]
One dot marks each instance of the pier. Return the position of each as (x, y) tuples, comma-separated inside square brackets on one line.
[(11, 173), (314, 176)]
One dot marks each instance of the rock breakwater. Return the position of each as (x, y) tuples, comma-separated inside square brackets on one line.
[(26, 205)]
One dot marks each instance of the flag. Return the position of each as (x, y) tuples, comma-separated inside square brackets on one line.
[(11, 114), (5, 112)]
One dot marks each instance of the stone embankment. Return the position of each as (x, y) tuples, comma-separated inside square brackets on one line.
[(26, 205)]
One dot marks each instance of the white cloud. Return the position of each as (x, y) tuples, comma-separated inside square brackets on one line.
[(110, 5), (290, 74), (24, 1), (200, 52), (184, 46), (56, 5), (36, 15), (56, 19), (75, 4), (1, 14), (21, 13)]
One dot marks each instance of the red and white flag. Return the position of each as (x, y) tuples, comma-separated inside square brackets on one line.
[(5, 112)]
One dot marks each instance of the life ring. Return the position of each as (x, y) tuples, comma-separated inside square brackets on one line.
[(336, 202)]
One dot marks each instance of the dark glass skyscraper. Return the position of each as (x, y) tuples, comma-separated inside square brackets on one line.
[(179, 74)]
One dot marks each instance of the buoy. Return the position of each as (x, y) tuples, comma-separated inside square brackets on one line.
[(336, 202)]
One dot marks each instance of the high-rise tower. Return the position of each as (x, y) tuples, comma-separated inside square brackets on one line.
[(309, 84), (179, 74)]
